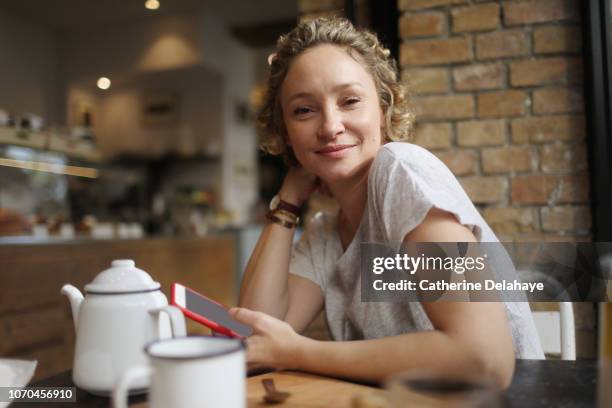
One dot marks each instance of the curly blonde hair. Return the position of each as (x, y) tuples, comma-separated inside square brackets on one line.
[(398, 117)]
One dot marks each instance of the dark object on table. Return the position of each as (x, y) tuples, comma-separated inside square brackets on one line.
[(553, 383), (273, 396)]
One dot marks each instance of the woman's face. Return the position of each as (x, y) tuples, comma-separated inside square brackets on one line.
[(332, 113)]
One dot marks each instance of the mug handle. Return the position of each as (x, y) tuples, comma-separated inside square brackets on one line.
[(120, 391), (177, 320)]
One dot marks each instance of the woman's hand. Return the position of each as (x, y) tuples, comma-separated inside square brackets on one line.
[(273, 344), (298, 185)]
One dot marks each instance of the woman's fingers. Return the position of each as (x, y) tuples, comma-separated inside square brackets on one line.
[(257, 320), (298, 185), (243, 315), (272, 341), (256, 350)]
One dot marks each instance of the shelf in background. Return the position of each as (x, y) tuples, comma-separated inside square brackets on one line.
[(50, 141)]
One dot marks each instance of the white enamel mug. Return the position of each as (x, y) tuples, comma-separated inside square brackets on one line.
[(190, 372)]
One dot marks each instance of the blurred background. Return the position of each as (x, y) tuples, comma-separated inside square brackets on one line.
[(126, 130)]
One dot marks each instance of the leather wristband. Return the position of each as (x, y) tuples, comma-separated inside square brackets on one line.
[(280, 221), (289, 216), (278, 204)]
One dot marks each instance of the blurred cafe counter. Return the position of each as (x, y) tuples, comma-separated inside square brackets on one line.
[(35, 319)]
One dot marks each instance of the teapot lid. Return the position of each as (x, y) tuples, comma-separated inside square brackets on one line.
[(122, 277)]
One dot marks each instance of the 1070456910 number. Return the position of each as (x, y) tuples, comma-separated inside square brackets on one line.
[(38, 394)]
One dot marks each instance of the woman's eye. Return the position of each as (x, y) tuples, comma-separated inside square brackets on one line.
[(301, 111), (351, 101)]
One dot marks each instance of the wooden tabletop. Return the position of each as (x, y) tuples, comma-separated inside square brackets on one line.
[(307, 391), (536, 384)]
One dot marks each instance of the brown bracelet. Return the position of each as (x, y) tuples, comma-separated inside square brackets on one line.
[(289, 216), (278, 204), (280, 221)]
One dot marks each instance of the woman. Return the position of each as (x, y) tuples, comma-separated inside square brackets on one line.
[(333, 108)]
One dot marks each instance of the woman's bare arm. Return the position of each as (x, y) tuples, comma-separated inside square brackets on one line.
[(469, 339), (267, 285)]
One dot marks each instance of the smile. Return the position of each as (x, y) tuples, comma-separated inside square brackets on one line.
[(335, 151)]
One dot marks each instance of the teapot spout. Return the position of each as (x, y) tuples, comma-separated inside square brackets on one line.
[(76, 297)]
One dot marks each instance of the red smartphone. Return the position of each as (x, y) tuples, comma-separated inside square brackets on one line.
[(207, 312)]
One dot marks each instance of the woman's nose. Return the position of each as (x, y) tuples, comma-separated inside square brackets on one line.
[(331, 125)]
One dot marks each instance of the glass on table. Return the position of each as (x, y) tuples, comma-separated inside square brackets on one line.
[(433, 389)]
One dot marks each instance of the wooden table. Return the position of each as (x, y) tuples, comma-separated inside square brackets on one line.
[(308, 390), (536, 383)]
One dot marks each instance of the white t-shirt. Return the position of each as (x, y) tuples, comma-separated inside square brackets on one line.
[(404, 183)]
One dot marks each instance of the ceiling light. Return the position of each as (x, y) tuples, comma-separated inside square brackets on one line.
[(152, 4), (104, 83)]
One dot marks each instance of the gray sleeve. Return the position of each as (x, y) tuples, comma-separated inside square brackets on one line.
[(302, 258), (407, 182), (397, 197)]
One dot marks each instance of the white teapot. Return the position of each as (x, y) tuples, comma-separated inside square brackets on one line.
[(119, 316)]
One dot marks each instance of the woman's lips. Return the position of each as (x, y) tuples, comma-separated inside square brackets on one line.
[(334, 151)]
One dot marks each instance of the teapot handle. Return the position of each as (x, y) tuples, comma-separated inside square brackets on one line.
[(121, 388), (177, 320)]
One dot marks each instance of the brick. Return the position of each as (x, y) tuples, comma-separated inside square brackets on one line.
[(460, 161), (445, 107), (422, 25), (308, 6), (502, 44), (573, 190), (507, 159), (502, 103), (552, 237), (532, 189), (563, 158), (432, 52), (568, 237), (485, 190), (481, 133), (475, 18), (544, 71), (424, 4), (556, 39), (511, 221), (548, 189), (478, 76), (548, 129), (566, 218), (433, 135), (557, 100), (539, 11), (426, 80)]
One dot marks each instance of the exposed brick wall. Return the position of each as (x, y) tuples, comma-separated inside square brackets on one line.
[(321, 8), (497, 87), (498, 92)]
